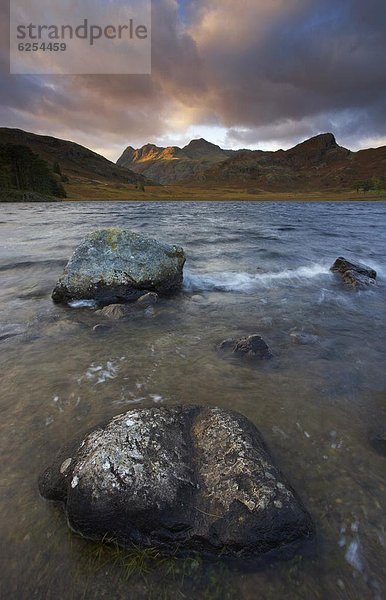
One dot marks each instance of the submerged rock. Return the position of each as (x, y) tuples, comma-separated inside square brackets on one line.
[(114, 266), (10, 330), (120, 312), (377, 439), (62, 328), (147, 300), (116, 312), (356, 275), (252, 346), (190, 478), (303, 339)]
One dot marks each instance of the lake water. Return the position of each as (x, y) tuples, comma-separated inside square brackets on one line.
[(252, 268)]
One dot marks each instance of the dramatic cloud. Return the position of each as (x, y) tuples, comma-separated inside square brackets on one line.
[(249, 73)]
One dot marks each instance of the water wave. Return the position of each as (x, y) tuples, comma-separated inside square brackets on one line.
[(83, 304), (26, 264), (228, 281)]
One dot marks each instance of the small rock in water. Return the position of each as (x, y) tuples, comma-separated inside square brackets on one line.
[(116, 312), (119, 312), (252, 346), (188, 478), (377, 439), (356, 275), (147, 300)]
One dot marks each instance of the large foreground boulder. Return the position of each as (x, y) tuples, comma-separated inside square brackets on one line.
[(116, 266), (188, 478), (356, 275)]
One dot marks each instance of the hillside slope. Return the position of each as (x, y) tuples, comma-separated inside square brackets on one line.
[(76, 162)]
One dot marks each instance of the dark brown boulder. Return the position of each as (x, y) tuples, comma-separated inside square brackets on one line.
[(185, 478), (356, 275), (252, 346)]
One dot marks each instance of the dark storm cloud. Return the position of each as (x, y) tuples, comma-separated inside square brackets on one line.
[(309, 62), (274, 72)]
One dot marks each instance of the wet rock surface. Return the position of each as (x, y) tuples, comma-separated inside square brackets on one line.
[(356, 275), (190, 479), (252, 346), (116, 312), (377, 439), (121, 312), (147, 300), (115, 266)]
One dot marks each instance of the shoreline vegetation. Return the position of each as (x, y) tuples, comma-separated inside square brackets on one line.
[(79, 192)]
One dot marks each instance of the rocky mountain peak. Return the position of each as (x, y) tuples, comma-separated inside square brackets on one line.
[(201, 148)]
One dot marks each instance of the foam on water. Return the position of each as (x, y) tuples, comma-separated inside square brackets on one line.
[(83, 304), (228, 281)]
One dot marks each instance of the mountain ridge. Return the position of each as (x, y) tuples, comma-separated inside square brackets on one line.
[(316, 163), (204, 170), (172, 164)]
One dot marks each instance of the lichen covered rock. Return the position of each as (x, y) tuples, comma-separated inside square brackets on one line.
[(188, 478), (114, 266)]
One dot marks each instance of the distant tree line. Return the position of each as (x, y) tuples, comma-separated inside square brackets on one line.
[(22, 169), (375, 184)]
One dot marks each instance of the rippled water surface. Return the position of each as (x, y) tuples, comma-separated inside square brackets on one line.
[(252, 268)]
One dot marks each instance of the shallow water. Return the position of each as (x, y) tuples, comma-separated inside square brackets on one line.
[(252, 268)]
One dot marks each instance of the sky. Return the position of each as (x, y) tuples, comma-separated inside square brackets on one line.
[(260, 74)]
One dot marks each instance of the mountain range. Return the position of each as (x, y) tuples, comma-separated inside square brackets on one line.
[(202, 170), (316, 164), (173, 164)]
